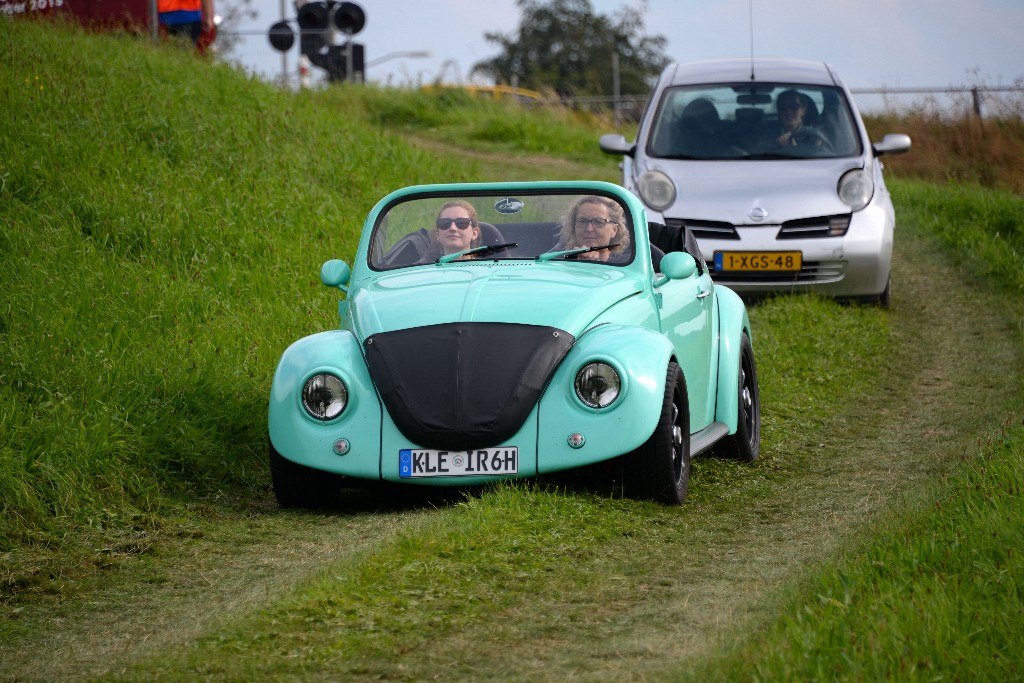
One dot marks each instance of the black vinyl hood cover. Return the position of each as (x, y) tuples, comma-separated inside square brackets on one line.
[(459, 386)]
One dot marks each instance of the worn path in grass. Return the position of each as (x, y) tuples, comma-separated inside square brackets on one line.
[(959, 362)]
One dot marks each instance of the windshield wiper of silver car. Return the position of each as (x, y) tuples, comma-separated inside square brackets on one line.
[(485, 250), (772, 156), (573, 253)]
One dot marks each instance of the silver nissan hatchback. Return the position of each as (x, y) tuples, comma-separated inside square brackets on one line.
[(767, 162)]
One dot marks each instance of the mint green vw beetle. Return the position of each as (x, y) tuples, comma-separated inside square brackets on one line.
[(504, 330)]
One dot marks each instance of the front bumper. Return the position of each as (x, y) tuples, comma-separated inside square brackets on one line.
[(855, 265)]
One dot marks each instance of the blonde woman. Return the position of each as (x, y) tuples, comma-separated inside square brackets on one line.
[(595, 221)]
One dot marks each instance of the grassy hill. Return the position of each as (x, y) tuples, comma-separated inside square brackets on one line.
[(162, 220)]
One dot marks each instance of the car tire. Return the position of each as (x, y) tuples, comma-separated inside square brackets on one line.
[(885, 298), (745, 444), (297, 486), (660, 468)]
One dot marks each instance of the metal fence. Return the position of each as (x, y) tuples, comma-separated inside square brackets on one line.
[(251, 51), (1004, 102)]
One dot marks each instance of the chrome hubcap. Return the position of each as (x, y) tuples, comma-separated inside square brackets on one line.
[(677, 441)]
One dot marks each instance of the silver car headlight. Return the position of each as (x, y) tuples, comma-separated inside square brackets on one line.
[(657, 190), (856, 188), (597, 385), (324, 396)]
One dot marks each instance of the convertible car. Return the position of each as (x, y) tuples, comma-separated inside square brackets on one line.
[(506, 330)]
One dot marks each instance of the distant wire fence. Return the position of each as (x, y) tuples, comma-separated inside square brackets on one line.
[(248, 48), (1003, 102)]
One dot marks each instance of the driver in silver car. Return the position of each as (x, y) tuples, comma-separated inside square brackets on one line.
[(790, 130)]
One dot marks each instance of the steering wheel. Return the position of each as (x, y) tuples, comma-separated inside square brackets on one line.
[(813, 137)]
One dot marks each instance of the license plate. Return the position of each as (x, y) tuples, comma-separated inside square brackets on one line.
[(758, 261), (418, 462)]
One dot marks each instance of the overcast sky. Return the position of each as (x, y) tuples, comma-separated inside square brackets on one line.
[(872, 43)]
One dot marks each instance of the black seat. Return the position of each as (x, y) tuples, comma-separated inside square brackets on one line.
[(490, 235), (668, 238)]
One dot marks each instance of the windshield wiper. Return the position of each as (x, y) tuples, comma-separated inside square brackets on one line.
[(772, 156), (485, 250), (573, 253), (682, 157)]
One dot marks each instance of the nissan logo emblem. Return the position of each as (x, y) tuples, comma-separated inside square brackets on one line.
[(757, 214)]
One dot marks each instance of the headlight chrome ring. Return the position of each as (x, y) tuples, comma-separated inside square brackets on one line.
[(324, 396), (597, 385)]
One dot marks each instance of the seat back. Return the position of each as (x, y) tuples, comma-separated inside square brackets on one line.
[(490, 235)]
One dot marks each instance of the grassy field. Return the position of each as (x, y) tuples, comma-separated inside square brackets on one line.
[(162, 221)]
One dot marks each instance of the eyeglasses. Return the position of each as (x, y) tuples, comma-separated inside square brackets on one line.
[(581, 223), (460, 223)]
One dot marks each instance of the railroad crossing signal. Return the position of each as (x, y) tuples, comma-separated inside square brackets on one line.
[(318, 21)]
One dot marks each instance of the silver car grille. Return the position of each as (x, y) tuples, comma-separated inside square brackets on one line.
[(811, 272), (801, 228)]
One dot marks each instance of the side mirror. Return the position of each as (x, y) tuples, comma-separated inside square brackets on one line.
[(893, 143), (335, 273), (678, 265), (616, 144)]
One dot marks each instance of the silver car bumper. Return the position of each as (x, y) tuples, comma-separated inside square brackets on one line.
[(855, 265)]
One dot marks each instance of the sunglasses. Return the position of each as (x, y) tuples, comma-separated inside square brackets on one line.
[(460, 223), (581, 223)]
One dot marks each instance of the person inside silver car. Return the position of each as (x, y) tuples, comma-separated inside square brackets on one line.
[(791, 129)]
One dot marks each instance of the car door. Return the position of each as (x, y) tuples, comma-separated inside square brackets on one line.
[(685, 308)]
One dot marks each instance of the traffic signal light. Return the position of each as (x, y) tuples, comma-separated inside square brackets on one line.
[(318, 20)]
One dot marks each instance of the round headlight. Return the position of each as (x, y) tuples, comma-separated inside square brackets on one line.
[(324, 396), (597, 385), (657, 190), (855, 188)]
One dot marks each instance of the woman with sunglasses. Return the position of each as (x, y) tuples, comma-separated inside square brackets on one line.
[(596, 222), (457, 228)]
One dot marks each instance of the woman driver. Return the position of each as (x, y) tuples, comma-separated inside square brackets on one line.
[(594, 222)]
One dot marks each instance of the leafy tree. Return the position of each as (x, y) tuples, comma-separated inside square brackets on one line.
[(564, 45)]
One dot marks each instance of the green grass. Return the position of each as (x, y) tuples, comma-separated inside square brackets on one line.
[(162, 221), (933, 592), (983, 227), (531, 560)]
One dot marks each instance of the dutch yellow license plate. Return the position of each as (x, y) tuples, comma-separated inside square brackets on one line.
[(758, 261)]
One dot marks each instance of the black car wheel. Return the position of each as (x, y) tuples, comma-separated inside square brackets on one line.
[(660, 468), (296, 486), (885, 298), (745, 444)]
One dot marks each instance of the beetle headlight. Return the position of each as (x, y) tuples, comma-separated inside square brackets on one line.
[(657, 190), (855, 188), (324, 396), (597, 385)]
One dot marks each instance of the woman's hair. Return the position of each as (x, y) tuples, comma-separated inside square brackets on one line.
[(615, 213)]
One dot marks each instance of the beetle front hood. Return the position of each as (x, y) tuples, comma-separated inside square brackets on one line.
[(559, 295), (730, 190)]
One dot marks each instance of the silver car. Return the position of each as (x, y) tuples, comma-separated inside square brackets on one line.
[(768, 164)]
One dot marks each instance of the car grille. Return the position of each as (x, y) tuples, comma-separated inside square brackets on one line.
[(811, 272), (718, 230), (822, 226), (801, 228)]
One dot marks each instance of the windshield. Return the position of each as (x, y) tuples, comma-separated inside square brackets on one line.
[(453, 230), (753, 121)]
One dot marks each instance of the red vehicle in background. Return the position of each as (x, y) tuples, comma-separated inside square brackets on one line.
[(131, 15)]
